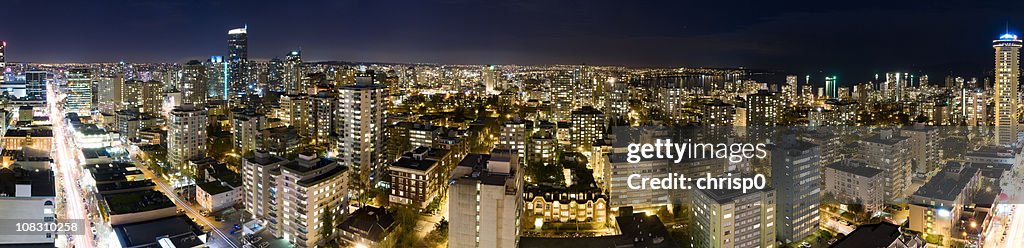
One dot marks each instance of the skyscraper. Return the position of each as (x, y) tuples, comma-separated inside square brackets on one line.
[(238, 58), (79, 99), (562, 95), (1007, 73), (831, 87), (587, 127), (789, 90), (275, 75), (293, 73), (489, 76), (217, 73), (35, 84), (193, 83), (360, 127)]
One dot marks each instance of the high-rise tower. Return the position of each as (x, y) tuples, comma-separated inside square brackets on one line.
[(238, 56), (1007, 72), (831, 88), (193, 83), (293, 73), (79, 99), (489, 76)]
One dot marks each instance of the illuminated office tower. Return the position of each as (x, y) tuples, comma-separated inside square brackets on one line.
[(587, 128), (562, 96), (762, 109), (217, 74), (245, 127), (485, 202), (795, 176), (585, 85), (731, 218), (617, 99), (79, 99), (131, 95), (35, 84), (193, 84), (831, 87), (275, 75), (1005, 93), (110, 94), (894, 86), (293, 73), (360, 128), (489, 76), (151, 97), (238, 58), (789, 90), (186, 135)]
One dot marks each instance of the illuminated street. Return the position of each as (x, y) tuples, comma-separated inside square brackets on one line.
[(66, 163)]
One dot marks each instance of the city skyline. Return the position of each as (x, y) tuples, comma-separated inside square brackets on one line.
[(452, 123), (854, 42)]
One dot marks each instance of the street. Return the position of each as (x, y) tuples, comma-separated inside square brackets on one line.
[(220, 239), (74, 203)]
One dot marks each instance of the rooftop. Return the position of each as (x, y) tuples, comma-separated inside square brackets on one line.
[(138, 201), (948, 184), (885, 139), (214, 187), (372, 223), (855, 169), (322, 176), (181, 231), (41, 181), (883, 234)]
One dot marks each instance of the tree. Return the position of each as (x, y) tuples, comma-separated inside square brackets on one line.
[(665, 215), (326, 225), (438, 236)]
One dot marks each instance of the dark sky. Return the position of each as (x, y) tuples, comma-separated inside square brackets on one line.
[(855, 38)]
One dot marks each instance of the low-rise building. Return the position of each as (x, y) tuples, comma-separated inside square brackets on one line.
[(27, 193), (883, 234), (367, 227), (419, 176), (853, 183), (937, 205)]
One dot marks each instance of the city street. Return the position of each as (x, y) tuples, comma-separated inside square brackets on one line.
[(66, 164), (221, 236)]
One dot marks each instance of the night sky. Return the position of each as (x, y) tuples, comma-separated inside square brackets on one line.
[(851, 38)]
